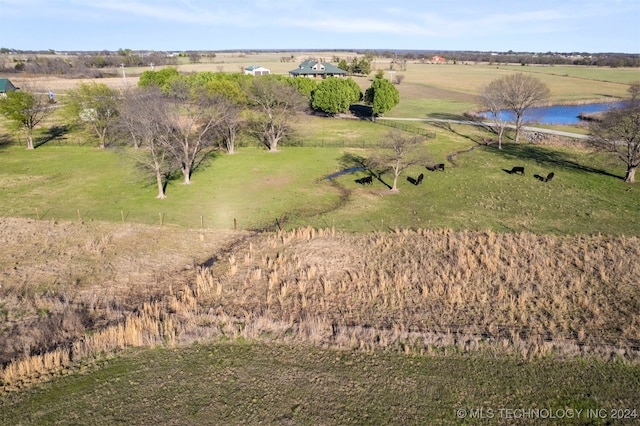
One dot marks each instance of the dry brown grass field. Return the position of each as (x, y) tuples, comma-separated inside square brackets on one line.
[(73, 291)]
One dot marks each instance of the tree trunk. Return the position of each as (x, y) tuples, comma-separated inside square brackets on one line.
[(101, 137), (394, 188), (186, 172), (518, 125), (500, 133), (273, 143), (161, 195), (30, 142), (631, 174), (396, 173)]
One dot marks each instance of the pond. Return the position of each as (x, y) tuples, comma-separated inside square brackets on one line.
[(557, 114)]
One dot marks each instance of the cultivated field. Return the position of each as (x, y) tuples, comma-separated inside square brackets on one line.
[(265, 293)]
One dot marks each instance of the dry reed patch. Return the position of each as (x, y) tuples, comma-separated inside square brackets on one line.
[(519, 287), (417, 292), (59, 279)]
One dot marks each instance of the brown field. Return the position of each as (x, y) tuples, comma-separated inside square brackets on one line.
[(72, 291)]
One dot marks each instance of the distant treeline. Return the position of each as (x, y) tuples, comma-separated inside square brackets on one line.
[(95, 64), (92, 65), (614, 60)]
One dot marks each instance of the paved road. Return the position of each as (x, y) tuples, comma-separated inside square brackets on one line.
[(490, 124)]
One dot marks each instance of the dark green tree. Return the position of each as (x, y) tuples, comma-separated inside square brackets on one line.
[(343, 65), (306, 86), (335, 95), (382, 96)]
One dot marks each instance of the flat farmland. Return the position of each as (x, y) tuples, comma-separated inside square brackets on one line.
[(265, 293)]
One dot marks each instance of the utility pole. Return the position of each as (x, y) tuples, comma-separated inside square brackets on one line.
[(124, 77)]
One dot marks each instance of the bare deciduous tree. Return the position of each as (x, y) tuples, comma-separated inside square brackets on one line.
[(619, 132), (277, 104), (144, 114), (491, 100), (519, 92), (230, 124), (398, 152), (190, 125)]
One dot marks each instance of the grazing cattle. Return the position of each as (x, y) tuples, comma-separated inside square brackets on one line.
[(368, 180), (549, 177), (420, 177), (517, 169), (436, 167)]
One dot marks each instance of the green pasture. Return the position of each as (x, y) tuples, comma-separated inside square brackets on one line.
[(258, 188), (242, 383)]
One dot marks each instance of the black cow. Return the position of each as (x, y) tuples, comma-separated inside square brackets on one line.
[(368, 180), (549, 177), (436, 167), (517, 169), (419, 180)]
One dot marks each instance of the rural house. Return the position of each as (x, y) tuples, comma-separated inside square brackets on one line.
[(257, 70), (438, 60), (316, 69), (6, 86)]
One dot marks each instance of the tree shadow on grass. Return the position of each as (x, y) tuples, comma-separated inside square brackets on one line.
[(460, 119), (5, 140), (364, 112), (350, 161), (548, 158), (54, 133)]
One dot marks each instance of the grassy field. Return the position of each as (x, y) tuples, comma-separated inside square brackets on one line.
[(240, 383), (256, 188), (477, 289)]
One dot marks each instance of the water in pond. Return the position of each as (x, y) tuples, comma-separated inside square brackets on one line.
[(557, 114)]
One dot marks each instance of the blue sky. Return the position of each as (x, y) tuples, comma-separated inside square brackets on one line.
[(489, 25)]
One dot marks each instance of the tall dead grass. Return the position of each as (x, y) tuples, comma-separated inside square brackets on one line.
[(413, 291)]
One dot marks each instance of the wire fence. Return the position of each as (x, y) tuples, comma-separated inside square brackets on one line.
[(407, 127), (332, 144)]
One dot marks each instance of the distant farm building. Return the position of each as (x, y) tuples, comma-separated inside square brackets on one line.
[(316, 69), (256, 70), (438, 60), (6, 86)]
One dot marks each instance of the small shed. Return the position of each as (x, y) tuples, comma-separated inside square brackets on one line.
[(257, 70), (6, 86)]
